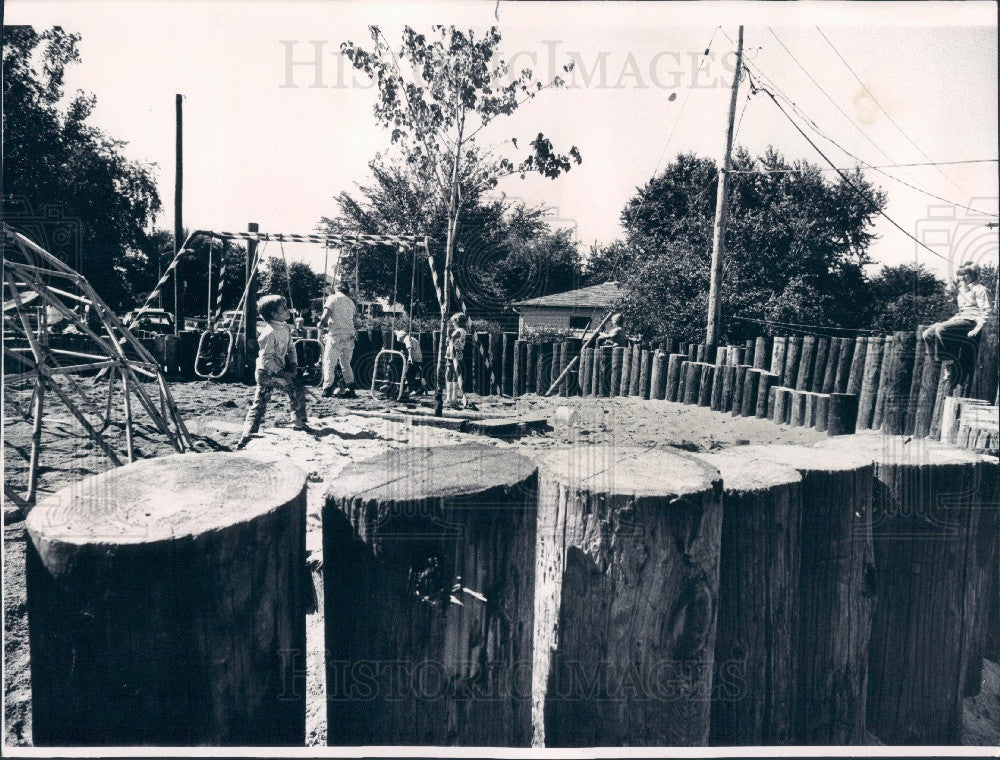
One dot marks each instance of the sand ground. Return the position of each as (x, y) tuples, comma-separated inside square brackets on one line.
[(345, 431)]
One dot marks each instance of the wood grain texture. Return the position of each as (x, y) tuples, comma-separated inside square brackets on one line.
[(935, 531), (835, 591), (753, 693), (164, 600), (628, 573), (412, 658)]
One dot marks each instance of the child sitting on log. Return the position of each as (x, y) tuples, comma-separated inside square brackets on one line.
[(276, 368), (956, 341)]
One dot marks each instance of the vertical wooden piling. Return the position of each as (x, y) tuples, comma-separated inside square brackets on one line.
[(657, 378)]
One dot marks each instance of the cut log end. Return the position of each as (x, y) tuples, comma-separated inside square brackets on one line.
[(166, 498), (742, 473), (628, 471), (806, 458), (417, 473)]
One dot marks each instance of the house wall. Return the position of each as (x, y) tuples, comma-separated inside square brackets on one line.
[(555, 317)]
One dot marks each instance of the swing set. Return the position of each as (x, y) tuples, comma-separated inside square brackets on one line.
[(213, 359)]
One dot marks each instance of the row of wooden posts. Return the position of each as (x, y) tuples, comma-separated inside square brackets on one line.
[(598, 596)]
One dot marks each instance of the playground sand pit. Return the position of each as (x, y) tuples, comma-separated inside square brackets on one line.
[(344, 431)]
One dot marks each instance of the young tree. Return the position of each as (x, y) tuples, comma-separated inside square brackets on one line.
[(55, 161), (436, 95)]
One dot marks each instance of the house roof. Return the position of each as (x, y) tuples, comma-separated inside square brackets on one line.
[(603, 296)]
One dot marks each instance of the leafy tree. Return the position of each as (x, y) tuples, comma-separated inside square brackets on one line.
[(796, 246), (54, 159), (305, 283), (436, 94), (906, 295)]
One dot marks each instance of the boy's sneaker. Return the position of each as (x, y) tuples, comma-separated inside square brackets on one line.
[(242, 444), (349, 393), (328, 391)]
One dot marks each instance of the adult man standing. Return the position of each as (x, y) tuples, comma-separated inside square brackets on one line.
[(338, 345)]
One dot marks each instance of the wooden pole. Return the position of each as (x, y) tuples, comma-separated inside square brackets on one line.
[(613, 605), (644, 362), (250, 328), (179, 211), (587, 341), (165, 614), (435, 575), (721, 208)]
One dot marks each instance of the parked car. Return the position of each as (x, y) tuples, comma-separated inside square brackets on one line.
[(152, 320)]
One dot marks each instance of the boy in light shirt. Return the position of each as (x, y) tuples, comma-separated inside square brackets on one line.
[(276, 368)]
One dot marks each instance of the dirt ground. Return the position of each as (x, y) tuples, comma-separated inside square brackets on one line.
[(345, 431)]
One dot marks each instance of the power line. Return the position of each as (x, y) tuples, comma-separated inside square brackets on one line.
[(805, 117), (888, 116), (870, 166), (687, 95), (847, 180), (830, 98)]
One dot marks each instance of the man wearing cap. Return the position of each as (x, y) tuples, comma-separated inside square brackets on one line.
[(338, 345)]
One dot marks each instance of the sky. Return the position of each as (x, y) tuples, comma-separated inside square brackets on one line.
[(273, 143)]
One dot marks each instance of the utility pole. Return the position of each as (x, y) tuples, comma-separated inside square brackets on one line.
[(719, 230), (179, 216)]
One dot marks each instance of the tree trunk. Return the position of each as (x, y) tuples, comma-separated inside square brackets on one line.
[(626, 598), (792, 355), (778, 358), (751, 387), (935, 529), (166, 605), (768, 380), (842, 414), (413, 657), (753, 692), (883, 386), (803, 377), (835, 593), (857, 372)]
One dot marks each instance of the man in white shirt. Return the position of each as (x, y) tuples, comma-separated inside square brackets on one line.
[(338, 346)]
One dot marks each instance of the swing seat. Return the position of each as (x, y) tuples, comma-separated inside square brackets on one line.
[(308, 353), (215, 351), (384, 378)]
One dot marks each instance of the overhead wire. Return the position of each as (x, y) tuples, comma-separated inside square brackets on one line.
[(887, 114), (687, 95), (847, 180), (820, 132)]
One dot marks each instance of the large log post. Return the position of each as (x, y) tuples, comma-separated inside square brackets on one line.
[(658, 379), (792, 354), (835, 592), (692, 380), (707, 381), (897, 382), (857, 371), (753, 693), (520, 367), (644, 360), (531, 374), (778, 358), (634, 385), (617, 360), (935, 530), (807, 359), (869, 382), (165, 605), (428, 580), (626, 597), (586, 371), (674, 364), (626, 378), (883, 386), (819, 368), (768, 380), (751, 388), (842, 414)]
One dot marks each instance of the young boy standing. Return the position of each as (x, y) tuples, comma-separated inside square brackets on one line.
[(276, 368)]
